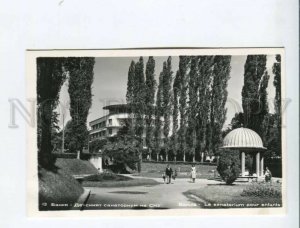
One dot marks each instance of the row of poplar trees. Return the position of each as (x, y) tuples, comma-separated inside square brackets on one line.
[(51, 74), (182, 115)]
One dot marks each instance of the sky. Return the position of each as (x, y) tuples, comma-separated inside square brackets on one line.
[(110, 84)]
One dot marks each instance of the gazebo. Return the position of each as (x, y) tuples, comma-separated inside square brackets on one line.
[(245, 141)]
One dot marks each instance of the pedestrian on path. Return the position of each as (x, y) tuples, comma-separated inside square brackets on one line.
[(164, 177), (193, 173), (169, 172)]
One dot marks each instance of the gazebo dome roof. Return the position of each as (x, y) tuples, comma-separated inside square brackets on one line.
[(242, 138)]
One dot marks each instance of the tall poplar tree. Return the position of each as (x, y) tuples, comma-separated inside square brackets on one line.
[(81, 71), (205, 66), (191, 109), (176, 91), (277, 83), (50, 77), (262, 116), (149, 101), (254, 68), (219, 93), (158, 115), (167, 98), (130, 83), (139, 99), (184, 62), (139, 105)]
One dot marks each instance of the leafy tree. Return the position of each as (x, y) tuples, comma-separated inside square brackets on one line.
[(96, 145), (229, 166), (123, 149), (237, 121), (50, 77), (221, 75), (149, 101), (167, 101), (255, 68), (80, 82), (184, 63)]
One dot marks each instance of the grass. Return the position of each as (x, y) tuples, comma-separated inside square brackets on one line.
[(75, 166), (57, 188), (218, 195), (183, 170), (114, 180)]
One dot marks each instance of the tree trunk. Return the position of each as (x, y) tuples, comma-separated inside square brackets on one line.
[(46, 160)]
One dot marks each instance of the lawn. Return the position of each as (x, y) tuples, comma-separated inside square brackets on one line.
[(57, 188), (237, 195), (150, 169), (75, 166), (114, 180)]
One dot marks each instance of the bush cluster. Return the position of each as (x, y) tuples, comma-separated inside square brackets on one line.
[(229, 166), (262, 190)]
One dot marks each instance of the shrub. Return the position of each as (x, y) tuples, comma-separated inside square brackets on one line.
[(106, 177), (228, 166), (262, 190)]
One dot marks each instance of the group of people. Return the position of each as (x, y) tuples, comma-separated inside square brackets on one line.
[(168, 175)]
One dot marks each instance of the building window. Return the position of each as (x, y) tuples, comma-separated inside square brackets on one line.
[(110, 121), (110, 131)]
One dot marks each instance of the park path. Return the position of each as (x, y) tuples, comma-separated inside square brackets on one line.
[(157, 196)]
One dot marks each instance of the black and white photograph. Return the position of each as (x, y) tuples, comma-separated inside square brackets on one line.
[(158, 130)]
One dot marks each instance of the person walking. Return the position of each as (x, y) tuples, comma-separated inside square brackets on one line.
[(169, 172), (193, 173), (268, 175)]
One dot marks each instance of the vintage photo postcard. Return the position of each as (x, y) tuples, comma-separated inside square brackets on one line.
[(156, 132)]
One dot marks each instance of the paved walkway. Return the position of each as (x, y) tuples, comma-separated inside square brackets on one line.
[(157, 196)]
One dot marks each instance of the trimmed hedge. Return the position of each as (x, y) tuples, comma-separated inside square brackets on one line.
[(182, 163), (262, 190)]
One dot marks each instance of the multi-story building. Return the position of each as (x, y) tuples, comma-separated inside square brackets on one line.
[(110, 124)]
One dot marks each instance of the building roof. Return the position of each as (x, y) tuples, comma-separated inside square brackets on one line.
[(242, 138)]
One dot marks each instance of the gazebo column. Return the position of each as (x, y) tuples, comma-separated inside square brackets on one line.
[(257, 163), (243, 163), (262, 165)]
